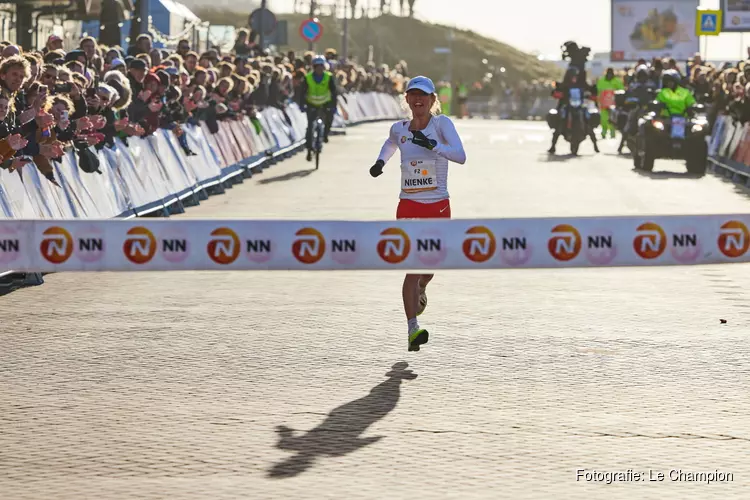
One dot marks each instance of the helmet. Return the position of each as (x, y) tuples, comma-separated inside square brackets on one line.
[(642, 73), (670, 75), (571, 73), (318, 60)]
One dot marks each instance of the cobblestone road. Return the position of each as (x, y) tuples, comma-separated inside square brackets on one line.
[(292, 385)]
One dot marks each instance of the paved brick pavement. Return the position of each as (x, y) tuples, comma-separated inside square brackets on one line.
[(291, 385)]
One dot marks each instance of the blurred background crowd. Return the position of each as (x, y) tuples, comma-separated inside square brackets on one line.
[(54, 99)]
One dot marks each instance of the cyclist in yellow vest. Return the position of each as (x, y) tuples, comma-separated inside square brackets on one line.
[(676, 99), (318, 92)]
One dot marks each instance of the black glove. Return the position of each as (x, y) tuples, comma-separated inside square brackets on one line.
[(377, 169), (421, 140)]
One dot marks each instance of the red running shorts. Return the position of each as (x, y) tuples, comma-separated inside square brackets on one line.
[(410, 209)]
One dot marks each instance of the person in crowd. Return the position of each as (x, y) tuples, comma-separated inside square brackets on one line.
[(10, 143)]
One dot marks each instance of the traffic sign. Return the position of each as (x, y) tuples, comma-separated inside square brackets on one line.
[(269, 20), (311, 30), (708, 23)]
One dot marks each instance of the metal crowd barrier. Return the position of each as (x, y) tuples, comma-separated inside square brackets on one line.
[(153, 175)]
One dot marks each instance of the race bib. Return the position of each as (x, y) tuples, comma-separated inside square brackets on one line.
[(607, 98), (575, 97), (418, 175), (678, 127)]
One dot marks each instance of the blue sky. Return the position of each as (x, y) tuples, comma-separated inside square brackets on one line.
[(541, 25)]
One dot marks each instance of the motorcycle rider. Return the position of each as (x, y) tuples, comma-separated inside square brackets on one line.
[(639, 91), (606, 87), (570, 81), (676, 99)]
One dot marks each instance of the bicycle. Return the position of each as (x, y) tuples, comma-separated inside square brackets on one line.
[(319, 128)]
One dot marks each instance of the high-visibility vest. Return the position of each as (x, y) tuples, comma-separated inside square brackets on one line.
[(318, 94), (677, 101), (445, 94)]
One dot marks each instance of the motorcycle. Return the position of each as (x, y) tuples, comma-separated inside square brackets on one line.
[(674, 137), (626, 110), (578, 118)]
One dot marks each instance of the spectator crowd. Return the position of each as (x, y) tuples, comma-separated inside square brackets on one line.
[(53, 100)]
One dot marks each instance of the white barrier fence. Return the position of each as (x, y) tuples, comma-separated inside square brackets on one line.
[(154, 175), (179, 245)]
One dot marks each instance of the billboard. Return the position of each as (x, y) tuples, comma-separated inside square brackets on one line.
[(735, 15), (654, 28)]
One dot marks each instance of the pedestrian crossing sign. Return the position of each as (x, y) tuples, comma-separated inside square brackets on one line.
[(708, 23)]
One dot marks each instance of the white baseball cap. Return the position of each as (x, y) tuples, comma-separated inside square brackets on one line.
[(421, 83)]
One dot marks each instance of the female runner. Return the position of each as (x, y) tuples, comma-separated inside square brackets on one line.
[(430, 139)]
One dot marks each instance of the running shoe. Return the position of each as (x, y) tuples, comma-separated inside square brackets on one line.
[(418, 337), (422, 300)]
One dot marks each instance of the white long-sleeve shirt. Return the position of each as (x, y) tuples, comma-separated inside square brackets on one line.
[(424, 173)]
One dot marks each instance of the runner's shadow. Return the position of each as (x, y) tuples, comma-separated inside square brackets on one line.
[(288, 176), (339, 434)]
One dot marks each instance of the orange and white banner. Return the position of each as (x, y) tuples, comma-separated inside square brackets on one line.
[(180, 245)]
